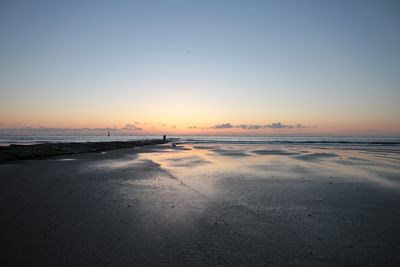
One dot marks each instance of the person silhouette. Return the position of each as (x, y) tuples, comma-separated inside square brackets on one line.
[(164, 137)]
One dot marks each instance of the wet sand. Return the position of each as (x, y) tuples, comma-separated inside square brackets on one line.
[(232, 205)]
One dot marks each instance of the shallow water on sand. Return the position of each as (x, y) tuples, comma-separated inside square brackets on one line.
[(202, 164), (205, 204), (284, 205)]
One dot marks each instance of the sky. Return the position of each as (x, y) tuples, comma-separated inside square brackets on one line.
[(200, 67)]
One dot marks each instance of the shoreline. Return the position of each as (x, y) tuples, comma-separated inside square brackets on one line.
[(39, 151)]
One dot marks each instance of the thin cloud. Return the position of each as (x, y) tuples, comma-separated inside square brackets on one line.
[(275, 125), (131, 127), (279, 125), (134, 127), (254, 127), (55, 129), (128, 127), (223, 126)]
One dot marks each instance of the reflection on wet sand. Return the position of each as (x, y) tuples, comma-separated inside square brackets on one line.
[(276, 199), (198, 162), (219, 204)]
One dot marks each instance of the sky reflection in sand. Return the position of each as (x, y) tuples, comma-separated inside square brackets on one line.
[(202, 166), (176, 183), (240, 198)]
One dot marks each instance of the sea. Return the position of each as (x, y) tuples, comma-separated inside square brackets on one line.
[(6, 140)]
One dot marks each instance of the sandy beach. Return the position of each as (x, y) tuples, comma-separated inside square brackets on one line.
[(204, 204)]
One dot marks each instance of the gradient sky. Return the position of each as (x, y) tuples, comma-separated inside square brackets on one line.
[(192, 67)]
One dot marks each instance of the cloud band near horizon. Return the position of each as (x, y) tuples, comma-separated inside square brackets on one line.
[(134, 127), (276, 125)]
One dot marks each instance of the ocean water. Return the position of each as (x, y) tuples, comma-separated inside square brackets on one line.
[(393, 142), (384, 144), (291, 140)]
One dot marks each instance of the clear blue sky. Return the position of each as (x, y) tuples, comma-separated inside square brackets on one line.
[(330, 64)]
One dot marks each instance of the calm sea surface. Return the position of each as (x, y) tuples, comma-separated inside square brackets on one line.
[(326, 140)]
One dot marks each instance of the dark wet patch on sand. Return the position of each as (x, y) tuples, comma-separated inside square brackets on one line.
[(359, 159), (354, 161), (316, 156), (270, 166), (274, 152), (186, 161), (232, 153), (204, 147)]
